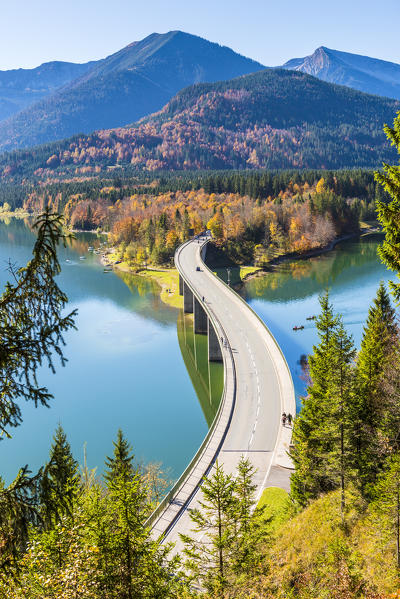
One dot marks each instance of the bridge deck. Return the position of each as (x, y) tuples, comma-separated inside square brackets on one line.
[(258, 388)]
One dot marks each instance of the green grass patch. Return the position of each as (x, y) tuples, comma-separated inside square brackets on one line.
[(276, 504), (168, 279), (245, 271)]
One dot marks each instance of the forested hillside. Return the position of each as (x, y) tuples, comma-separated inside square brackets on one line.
[(270, 119), (122, 88)]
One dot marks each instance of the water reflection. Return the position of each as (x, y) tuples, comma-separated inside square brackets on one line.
[(125, 368), (207, 377), (288, 294)]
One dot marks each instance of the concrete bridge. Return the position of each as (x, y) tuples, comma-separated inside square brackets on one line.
[(257, 388)]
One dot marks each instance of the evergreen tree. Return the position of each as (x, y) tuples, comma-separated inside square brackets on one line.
[(389, 213), (209, 556), (18, 511), (341, 401), (376, 353), (59, 485), (31, 325), (31, 333), (386, 506), (120, 464), (249, 524), (309, 452), (323, 430)]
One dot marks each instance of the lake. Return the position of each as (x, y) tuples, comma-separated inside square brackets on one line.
[(135, 364), (287, 295), (125, 369)]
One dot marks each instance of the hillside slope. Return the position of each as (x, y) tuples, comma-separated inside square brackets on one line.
[(20, 88), (366, 74), (271, 119), (124, 87)]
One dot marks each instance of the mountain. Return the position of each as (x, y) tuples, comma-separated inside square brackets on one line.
[(272, 119), (122, 88), (20, 88), (369, 75)]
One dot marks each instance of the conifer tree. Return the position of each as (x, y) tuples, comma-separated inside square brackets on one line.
[(120, 464), (341, 402), (323, 430), (249, 523), (31, 333), (31, 325), (386, 506), (59, 485), (389, 213), (18, 511), (376, 352), (209, 555), (308, 479)]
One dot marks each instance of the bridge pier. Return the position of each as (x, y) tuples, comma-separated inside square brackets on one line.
[(214, 347), (180, 285), (187, 299), (200, 318)]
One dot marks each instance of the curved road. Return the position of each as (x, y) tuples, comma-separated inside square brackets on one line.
[(264, 387)]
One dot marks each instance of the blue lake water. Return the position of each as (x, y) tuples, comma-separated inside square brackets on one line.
[(125, 366), (287, 295), (125, 369)]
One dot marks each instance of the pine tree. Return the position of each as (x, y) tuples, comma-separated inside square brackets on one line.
[(341, 400), (249, 524), (59, 485), (120, 464), (376, 354), (209, 556), (386, 506), (18, 511), (323, 430), (389, 213), (31, 325), (309, 452)]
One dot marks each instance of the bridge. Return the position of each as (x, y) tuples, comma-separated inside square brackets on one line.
[(257, 388)]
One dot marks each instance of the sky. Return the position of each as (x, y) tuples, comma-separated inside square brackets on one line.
[(268, 31)]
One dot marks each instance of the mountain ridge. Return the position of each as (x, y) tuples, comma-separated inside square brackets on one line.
[(276, 118), (20, 88), (127, 85), (370, 75)]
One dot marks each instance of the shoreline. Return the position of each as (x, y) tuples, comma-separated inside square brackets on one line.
[(168, 279), (304, 256)]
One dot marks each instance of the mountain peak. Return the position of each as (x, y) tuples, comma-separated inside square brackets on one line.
[(135, 81), (366, 74)]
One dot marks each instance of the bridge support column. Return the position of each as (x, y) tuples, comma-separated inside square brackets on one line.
[(200, 317), (187, 299), (214, 347), (180, 285)]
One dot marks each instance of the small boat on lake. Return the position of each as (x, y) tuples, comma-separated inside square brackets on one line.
[(82, 257), (311, 317), (300, 328)]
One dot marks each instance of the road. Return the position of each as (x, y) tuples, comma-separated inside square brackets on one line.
[(263, 387)]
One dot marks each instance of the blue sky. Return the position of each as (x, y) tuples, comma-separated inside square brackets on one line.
[(271, 32)]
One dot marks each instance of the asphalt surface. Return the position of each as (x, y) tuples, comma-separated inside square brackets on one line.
[(264, 387)]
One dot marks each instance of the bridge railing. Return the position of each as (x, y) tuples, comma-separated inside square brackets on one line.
[(167, 499)]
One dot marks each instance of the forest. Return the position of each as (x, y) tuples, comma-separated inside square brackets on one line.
[(254, 216), (271, 119), (67, 533)]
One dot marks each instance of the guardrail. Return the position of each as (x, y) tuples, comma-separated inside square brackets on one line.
[(259, 319), (167, 500)]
